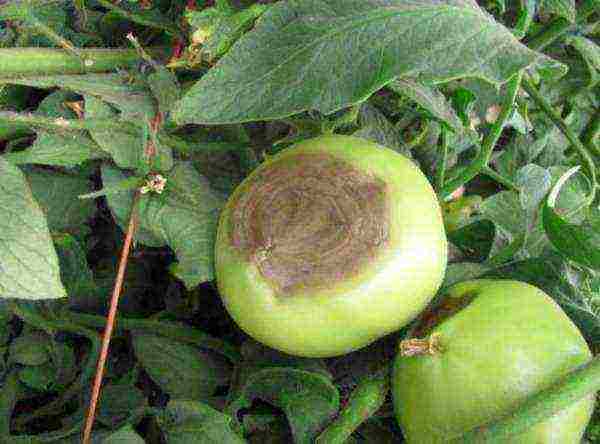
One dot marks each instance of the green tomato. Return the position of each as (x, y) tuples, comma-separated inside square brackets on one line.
[(329, 245), (487, 346)]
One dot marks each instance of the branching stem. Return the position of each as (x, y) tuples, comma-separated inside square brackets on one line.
[(485, 153)]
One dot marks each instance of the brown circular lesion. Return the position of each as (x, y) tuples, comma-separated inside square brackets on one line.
[(310, 219)]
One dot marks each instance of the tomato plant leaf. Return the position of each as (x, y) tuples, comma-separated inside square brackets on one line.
[(429, 98), (327, 54), (119, 402), (67, 150), (133, 99), (125, 435), (74, 269), (377, 128), (179, 369), (28, 261), (561, 8), (308, 399), (125, 149), (580, 243), (189, 422), (58, 196)]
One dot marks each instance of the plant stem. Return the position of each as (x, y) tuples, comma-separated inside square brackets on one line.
[(485, 153), (52, 123), (47, 61), (363, 403), (585, 381), (506, 182), (587, 160), (110, 322), (441, 167), (560, 25)]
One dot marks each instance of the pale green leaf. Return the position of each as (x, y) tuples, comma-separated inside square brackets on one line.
[(125, 435), (189, 422), (28, 261), (126, 149), (58, 196), (429, 98), (67, 149), (328, 54), (186, 217), (133, 99), (561, 8)]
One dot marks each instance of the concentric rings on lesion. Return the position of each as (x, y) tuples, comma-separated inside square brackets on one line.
[(310, 219)]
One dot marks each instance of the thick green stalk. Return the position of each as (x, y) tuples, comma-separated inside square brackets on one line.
[(53, 123), (364, 401), (585, 381), (15, 62), (560, 26), (587, 160), (485, 153)]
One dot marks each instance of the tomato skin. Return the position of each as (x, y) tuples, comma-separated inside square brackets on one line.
[(343, 314), (509, 342)]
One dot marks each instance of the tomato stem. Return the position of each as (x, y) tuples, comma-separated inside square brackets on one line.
[(363, 403), (419, 347), (578, 384)]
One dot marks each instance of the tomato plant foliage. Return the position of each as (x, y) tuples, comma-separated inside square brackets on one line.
[(165, 106)]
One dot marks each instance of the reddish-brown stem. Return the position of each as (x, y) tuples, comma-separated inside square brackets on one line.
[(110, 322)]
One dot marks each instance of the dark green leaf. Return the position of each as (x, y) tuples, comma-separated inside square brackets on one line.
[(475, 239), (125, 435), (185, 216), (40, 377), (463, 271), (376, 127), (30, 349), (180, 370), (67, 149), (133, 99), (28, 261), (328, 54), (75, 272), (580, 243), (561, 8), (534, 183), (191, 422), (463, 101), (127, 150), (429, 98), (118, 403), (165, 87), (58, 196), (589, 50), (121, 203), (9, 396), (308, 399)]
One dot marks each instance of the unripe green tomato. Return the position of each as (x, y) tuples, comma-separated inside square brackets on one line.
[(488, 345), (329, 245)]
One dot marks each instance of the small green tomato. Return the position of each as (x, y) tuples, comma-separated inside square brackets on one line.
[(329, 245), (487, 346)]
